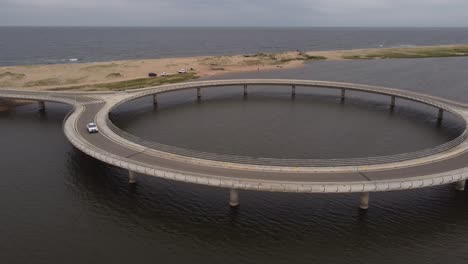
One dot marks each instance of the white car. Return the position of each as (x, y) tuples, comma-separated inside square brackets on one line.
[(164, 74), (92, 128), (182, 71)]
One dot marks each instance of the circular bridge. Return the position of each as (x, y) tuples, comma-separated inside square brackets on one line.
[(444, 164), (287, 164)]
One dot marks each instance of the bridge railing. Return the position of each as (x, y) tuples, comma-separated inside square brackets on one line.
[(286, 162)]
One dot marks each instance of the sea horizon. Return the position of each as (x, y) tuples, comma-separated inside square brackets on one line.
[(25, 45)]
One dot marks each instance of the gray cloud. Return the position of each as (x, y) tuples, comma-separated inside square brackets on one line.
[(234, 12)]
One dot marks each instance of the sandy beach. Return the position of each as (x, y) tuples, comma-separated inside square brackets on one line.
[(118, 75), (43, 77)]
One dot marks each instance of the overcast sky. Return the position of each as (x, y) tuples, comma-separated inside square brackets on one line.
[(431, 13)]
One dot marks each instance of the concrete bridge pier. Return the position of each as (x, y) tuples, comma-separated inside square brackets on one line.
[(234, 198), (440, 116), (41, 105), (293, 90), (245, 90), (132, 177), (155, 99), (364, 201), (392, 103), (460, 185), (343, 95), (198, 93)]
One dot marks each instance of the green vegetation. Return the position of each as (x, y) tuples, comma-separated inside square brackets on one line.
[(304, 57), (412, 53), (218, 69), (132, 84), (275, 59), (12, 75), (54, 81), (356, 57), (261, 54), (311, 57), (43, 82), (259, 59)]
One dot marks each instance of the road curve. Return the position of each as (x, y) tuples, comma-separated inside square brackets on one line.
[(433, 167)]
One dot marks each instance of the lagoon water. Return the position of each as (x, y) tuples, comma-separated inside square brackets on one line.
[(60, 206)]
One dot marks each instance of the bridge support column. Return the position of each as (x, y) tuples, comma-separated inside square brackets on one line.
[(364, 201), (234, 198), (155, 99), (245, 90), (440, 115), (460, 185), (131, 177), (392, 103), (343, 95), (41, 105), (293, 90), (198, 93)]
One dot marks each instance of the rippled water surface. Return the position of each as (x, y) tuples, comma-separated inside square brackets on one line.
[(50, 45), (60, 206)]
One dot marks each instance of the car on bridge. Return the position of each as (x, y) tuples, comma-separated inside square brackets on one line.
[(92, 128)]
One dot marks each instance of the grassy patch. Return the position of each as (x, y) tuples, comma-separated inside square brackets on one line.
[(12, 75), (54, 81), (303, 57), (355, 57), (43, 82), (261, 54), (413, 53), (218, 69), (312, 57), (132, 84)]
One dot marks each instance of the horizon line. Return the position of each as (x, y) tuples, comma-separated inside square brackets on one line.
[(119, 26)]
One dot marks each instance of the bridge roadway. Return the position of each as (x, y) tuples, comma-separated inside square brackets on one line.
[(441, 165)]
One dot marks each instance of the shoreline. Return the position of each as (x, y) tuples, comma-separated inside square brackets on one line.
[(118, 75)]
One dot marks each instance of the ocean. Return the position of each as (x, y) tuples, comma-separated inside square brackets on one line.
[(51, 45)]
